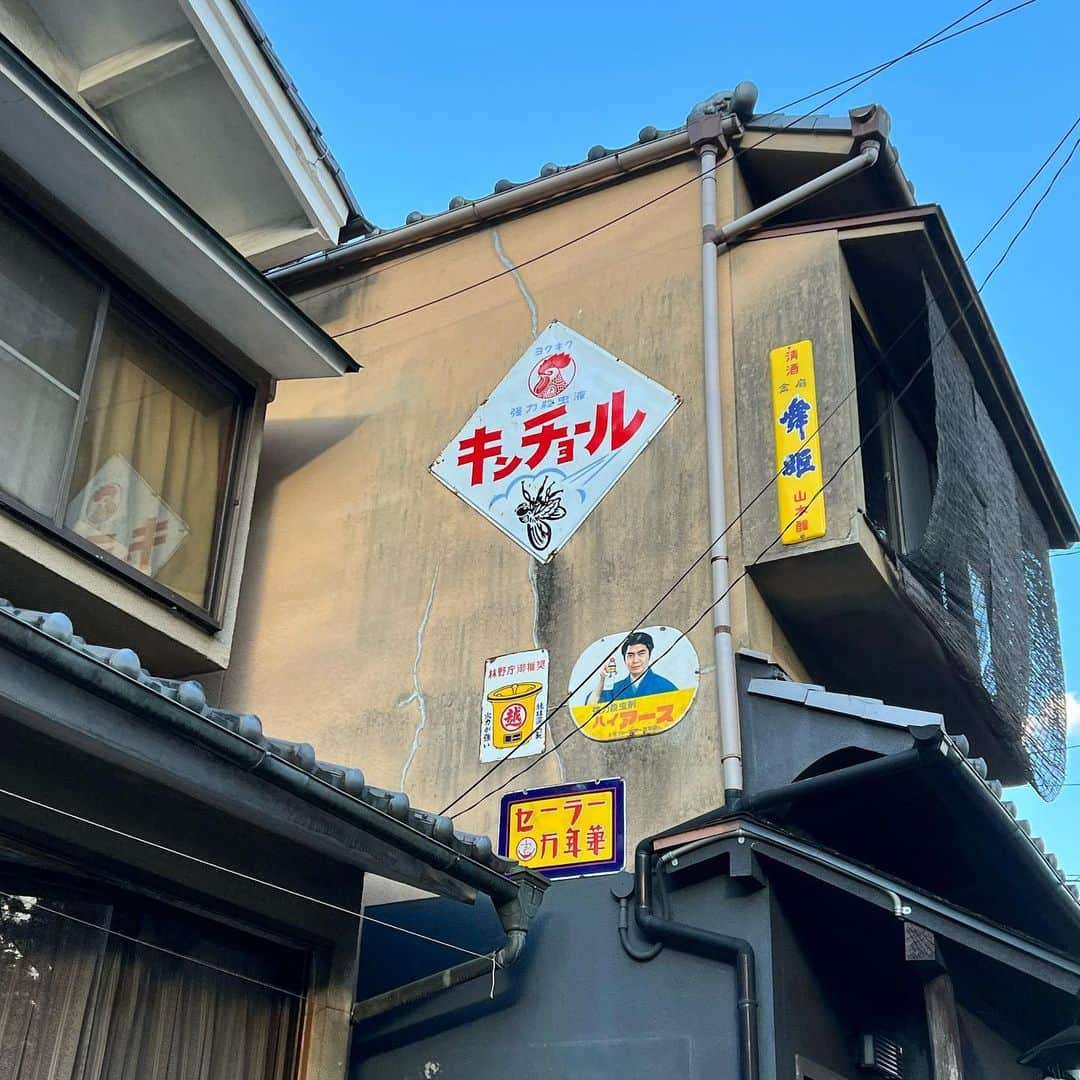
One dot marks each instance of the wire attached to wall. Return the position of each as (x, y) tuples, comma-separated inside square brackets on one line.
[(881, 418), (768, 485)]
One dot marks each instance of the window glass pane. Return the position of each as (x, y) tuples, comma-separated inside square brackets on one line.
[(36, 419), (47, 305), (153, 458), (47, 313)]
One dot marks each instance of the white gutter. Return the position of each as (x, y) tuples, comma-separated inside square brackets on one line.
[(727, 698), (714, 242)]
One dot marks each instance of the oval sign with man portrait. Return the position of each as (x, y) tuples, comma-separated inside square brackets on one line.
[(631, 684)]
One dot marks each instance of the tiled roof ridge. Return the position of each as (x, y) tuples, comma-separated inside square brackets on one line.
[(979, 766), (190, 694), (649, 133), (771, 121)]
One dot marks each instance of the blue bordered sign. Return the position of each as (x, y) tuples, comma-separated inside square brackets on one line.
[(569, 830)]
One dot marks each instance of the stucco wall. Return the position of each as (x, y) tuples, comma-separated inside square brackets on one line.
[(783, 290), (373, 595)]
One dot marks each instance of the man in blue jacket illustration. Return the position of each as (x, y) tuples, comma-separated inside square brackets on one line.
[(641, 681)]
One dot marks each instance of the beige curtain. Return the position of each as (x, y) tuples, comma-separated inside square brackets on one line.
[(80, 1004), (48, 971), (164, 430)]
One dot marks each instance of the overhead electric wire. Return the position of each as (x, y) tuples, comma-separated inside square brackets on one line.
[(1023, 191), (743, 510), (210, 865), (855, 81), (38, 906), (918, 371), (682, 577), (928, 43)]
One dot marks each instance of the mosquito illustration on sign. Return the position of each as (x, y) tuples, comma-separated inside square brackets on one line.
[(553, 438), (539, 507)]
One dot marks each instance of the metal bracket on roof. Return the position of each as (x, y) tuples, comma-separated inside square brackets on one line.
[(716, 129), (869, 122)]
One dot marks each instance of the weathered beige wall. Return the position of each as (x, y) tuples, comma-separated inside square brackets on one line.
[(373, 595), (786, 289)]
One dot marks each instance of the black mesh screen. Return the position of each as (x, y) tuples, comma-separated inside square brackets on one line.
[(981, 576)]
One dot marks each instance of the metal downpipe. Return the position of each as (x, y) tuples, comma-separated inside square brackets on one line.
[(727, 701), (430, 985), (731, 950), (866, 158)]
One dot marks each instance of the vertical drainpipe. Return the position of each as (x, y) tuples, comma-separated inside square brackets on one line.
[(712, 130)]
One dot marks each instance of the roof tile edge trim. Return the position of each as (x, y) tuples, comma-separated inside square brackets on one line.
[(191, 696)]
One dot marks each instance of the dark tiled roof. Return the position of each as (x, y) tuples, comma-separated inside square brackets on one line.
[(871, 709), (761, 122), (190, 695)]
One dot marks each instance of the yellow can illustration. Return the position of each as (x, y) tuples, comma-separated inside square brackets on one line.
[(514, 706)]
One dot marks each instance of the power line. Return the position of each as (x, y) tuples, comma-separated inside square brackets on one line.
[(928, 43), (856, 81), (238, 873), (877, 423), (40, 907), (743, 510), (1027, 220), (1023, 191)]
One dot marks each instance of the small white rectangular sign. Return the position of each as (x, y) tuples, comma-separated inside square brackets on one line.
[(555, 435), (514, 711)]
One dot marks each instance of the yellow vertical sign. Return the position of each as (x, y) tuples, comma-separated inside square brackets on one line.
[(798, 448)]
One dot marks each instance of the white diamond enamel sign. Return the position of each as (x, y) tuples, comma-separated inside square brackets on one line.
[(553, 438)]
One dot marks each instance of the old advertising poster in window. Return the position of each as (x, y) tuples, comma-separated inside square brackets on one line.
[(120, 512), (514, 711), (553, 438), (630, 684)]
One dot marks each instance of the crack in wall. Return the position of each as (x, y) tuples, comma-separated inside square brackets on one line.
[(536, 645), (417, 694), (534, 323), (515, 273)]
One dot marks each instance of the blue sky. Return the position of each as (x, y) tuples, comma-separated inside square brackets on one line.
[(421, 102)]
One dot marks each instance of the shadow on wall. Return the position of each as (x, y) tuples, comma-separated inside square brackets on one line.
[(385, 964), (288, 445)]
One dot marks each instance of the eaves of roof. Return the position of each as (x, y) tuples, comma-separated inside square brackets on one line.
[(356, 224), (1058, 969), (181, 708), (98, 182), (944, 766), (602, 163)]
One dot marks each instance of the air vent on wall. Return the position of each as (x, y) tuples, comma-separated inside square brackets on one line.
[(880, 1057)]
